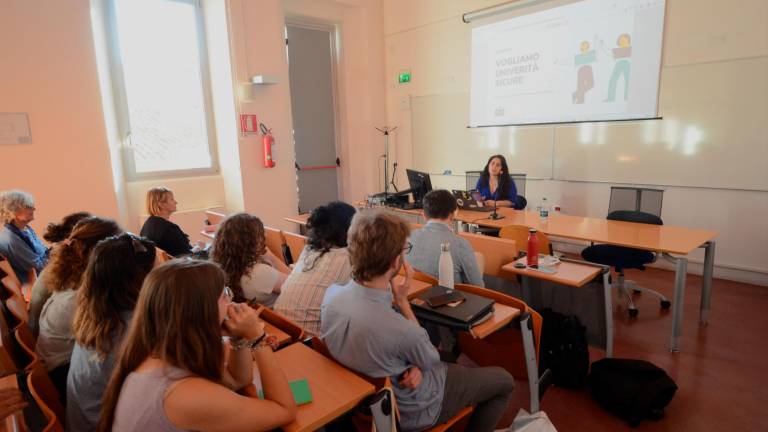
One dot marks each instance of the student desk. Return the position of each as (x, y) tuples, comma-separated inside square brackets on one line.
[(574, 274), (281, 336), (335, 389), (663, 239), (15, 421)]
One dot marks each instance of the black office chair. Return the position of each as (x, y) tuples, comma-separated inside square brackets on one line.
[(621, 258)]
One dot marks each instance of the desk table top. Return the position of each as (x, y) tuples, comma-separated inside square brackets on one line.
[(335, 389)]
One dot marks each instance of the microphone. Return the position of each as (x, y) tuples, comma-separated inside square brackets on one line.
[(494, 215)]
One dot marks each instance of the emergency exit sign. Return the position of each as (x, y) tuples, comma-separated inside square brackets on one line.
[(404, 77)]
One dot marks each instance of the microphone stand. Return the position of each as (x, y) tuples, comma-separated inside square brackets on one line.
[(392, 182), (494, 215)]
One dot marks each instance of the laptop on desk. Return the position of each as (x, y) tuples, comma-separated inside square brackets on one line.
[(470, 200), (472, 310)]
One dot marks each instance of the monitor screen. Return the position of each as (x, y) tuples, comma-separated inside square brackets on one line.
[(420, 184)]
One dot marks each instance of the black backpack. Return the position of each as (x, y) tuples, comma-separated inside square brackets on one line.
[(634, 390), (564, 349)]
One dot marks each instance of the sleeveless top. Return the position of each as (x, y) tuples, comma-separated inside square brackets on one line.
[(140, 405)]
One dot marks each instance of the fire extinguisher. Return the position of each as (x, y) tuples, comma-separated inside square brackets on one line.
[(267, 141)]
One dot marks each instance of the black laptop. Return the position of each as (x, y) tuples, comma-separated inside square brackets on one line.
[(470, 200), (470, 311)]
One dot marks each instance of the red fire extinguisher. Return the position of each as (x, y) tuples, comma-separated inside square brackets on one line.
[(267, 141)]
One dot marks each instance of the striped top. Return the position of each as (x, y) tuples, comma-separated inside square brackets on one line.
[(302, 293)]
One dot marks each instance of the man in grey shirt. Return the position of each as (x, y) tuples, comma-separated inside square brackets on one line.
[(439, 207), (364, 332)]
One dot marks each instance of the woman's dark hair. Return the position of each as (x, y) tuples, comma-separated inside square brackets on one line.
[(176, 320), (504, 178), (327, 228), (55, 233), (239, 244), (111, 285), (70, 257)]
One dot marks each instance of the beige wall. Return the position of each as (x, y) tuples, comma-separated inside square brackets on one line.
[(429, 38), (47, 69)]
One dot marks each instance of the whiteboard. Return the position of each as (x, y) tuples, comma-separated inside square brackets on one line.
[(714, 134), (442, 141)]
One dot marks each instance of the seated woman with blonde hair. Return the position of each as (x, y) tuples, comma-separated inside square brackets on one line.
[(171, 374), (158, 227), (253, 272)]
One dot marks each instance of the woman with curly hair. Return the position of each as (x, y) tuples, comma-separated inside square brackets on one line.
[(105, 304), (68, 262), (323, 262), (54, 233), (253, 272)]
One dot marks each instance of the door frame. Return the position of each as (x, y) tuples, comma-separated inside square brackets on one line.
[(334, 29)]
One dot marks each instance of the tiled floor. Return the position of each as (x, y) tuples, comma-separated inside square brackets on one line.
[(719, 369)]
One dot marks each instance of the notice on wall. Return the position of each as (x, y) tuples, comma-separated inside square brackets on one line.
[(14, 129)]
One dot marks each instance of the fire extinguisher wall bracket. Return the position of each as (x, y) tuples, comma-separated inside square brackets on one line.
[(267, 141)]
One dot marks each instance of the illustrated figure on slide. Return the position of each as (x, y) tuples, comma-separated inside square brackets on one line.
[(621, 54), (585, 77)]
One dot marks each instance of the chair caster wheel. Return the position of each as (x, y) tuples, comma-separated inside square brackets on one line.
[(638, 292), (633, 313), (666, 304)]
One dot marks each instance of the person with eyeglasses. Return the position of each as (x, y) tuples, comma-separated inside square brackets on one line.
[(69, 260), (104, 308), (366, 334), (171, 373)]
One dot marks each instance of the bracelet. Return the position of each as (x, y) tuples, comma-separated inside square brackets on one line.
[(240, 343)]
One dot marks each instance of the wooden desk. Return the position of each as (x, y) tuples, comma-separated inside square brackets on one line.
[(335, 389), (298, 219), (15, 421), (574, 274), (282, 337), (502, 315), (566, 273), (663, 239)]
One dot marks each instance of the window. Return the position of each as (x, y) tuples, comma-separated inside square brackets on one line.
[(161, 84)]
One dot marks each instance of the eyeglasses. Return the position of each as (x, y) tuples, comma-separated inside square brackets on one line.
[(228, 293), (407, 249)]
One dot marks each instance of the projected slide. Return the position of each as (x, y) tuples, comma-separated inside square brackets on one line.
[(585, 61)]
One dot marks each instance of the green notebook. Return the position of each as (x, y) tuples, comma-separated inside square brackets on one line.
[(300, 390), (301, 393)]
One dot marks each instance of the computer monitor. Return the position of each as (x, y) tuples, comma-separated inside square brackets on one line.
[(420, 184)]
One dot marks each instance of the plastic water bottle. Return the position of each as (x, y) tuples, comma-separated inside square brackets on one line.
[(544, 210), (532, 257), (445, 266)]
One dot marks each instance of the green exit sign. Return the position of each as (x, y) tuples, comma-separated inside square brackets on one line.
[(404, 77)]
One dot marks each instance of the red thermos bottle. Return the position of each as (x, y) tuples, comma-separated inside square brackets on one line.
[(532, 259)]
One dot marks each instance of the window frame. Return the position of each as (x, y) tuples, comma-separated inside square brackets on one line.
[(121, 99)]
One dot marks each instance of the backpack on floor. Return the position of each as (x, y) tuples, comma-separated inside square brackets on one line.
[(634, 390), (564, 349)]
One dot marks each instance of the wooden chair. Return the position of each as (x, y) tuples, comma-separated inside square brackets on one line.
[(283, 323), (507, 347), (46, 396), (423, 277), (10, 282), (519, 233), (10, 357), (27, 342), (214, 218), (275, 242), (496, 251), (363, 422), (18, 309), (295, 243)]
